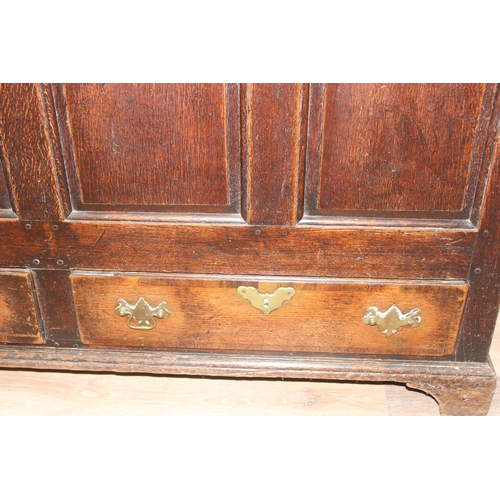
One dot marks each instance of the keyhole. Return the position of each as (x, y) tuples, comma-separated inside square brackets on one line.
[(266, 302)]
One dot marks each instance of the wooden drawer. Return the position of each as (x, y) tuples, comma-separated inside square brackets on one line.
[(208, 313), (18, 310)]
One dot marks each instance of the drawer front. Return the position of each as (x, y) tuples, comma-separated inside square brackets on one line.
[(18, 311), (211, 313)]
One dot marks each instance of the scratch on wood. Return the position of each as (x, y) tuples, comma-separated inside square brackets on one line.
[(100, 238), (452, 243)]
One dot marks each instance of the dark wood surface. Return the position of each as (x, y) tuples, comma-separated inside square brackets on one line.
[(482, 304), (28, 153), (396, 253), (272, 153), (4, 192), (208, 313), (157, 147), (18, 310), (55, 300), (284, 181), (404, 149)]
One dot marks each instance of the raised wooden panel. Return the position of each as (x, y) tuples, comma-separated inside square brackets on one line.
[(18, 316), (207, 313), (395, 150), (151, 147)]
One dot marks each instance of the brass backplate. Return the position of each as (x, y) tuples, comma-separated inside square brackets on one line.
[(141, 316), (266, 302), (391, 320)]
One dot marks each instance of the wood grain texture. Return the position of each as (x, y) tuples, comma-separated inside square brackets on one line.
[(422, 205), (4, 192), (55, 299), (218, 249), (7, 211), (310, 367), (399, 150), (53, 393), (485, 145), (56, 147), (483, 302), (273, 135), (18, 314), (209, 314), (157, 147), (28, 154)]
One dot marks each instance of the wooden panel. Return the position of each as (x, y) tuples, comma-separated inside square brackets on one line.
[(273, 133), (395, 150), (269, 250), (28, 152), (152, 147), (208, 314), (4, 192), (18, 317)]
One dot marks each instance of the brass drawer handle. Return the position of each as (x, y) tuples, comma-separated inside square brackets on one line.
[(391, 320), (266, 302), (141, 313)]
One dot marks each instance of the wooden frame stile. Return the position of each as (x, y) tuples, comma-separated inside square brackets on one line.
[(482, 305)]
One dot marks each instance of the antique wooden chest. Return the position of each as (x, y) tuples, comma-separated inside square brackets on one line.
[(323, 231)]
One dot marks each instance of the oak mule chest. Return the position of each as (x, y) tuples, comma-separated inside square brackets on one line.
[(323, 231)]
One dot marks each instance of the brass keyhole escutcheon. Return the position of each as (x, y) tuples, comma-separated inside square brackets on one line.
[(266, 302), (141, 316), (391, 320)]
